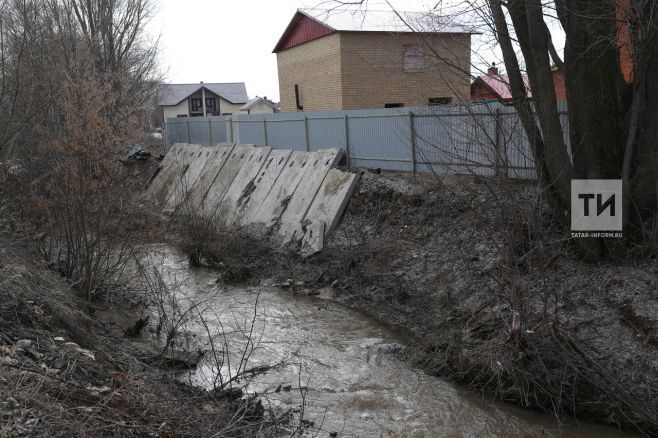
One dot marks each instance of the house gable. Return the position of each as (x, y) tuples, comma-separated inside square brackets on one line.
[(302, 29), (175, 94)]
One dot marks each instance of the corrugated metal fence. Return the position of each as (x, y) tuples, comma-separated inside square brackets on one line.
[(484, 139)]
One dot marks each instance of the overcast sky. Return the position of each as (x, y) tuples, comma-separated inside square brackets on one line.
[(232, 40), (229, 40)]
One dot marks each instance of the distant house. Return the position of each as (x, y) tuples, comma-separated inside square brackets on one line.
[(202, 99), (259, 105), (346, 60), (495, 87)]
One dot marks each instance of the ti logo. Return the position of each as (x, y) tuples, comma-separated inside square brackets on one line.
[(596, 205)]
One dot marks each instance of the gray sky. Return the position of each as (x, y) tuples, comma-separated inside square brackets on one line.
[(232, 40)]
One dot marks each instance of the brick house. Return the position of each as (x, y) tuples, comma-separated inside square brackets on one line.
[(347, 60), (494, 86)]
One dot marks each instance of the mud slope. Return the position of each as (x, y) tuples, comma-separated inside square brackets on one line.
[(435, 259)]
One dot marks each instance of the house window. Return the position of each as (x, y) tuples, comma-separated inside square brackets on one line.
[(210, 104), (414, 61), (393, 105), (433, 101), (227, 114), (181, 115), (197, 104)]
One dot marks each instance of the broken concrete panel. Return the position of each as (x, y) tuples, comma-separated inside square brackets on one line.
[(158, 178), (291, 227), (242, 185), (298, 194), (207, 177), (224, 178), (185, 183), (332, 198), (276, 202), (313, 240), (315, 172), (170, 174), (269, 173)]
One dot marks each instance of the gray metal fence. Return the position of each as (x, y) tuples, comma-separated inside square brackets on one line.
[(483, 139)]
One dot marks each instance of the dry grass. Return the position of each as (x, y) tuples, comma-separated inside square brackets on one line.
[(98, 386), (451, 263)]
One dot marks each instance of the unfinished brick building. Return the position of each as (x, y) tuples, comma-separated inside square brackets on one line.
[(340, 60)]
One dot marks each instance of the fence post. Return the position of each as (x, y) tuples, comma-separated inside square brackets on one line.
[(306, 140), (412, 130), (165, 136), (347, 140), (499, 148), (265, 131), (230, 128), (187, 127), (209, 132)]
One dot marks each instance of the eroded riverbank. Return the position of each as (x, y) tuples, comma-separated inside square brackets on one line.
[(356, 385), (443, 262)]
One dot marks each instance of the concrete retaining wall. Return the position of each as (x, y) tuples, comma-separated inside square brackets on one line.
[(293, 196)]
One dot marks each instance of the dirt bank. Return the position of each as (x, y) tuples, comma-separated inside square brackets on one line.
[(67, 367), (446, 263)]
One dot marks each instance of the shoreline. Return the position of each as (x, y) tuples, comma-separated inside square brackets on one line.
[(412, 254)]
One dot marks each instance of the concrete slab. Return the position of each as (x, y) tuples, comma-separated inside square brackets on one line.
[(299, 194), (276, 202), (207, 177), (313, 240), (316, 170), (186, 182), (158, 177), (242, 185), (291, 227), (224, 178), (332, 198), (169, 174), (269, 173)]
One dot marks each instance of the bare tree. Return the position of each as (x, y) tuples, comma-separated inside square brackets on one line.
[(610, 113), (75, 76), (609, 60)]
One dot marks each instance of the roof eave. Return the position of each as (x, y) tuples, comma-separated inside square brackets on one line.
[(208, 90), (409, 31), (292, 22)]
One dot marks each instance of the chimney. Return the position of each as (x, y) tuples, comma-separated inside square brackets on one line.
[(493, 70)]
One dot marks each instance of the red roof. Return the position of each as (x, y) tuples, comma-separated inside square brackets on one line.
[(499, 85), (301, 29), (310, 24)]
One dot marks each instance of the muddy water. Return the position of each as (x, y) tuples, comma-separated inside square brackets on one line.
[(354, 388)]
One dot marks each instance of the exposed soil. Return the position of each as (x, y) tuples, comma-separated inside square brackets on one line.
[(449, 263), (72, 367), (68, 368), (444, 262)]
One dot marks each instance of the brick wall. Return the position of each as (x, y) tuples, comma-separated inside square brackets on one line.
[(315, 67), (355, 70), (373, 72)]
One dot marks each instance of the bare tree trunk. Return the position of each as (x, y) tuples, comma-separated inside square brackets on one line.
[(519, 92), (643, 164), (527, 15)]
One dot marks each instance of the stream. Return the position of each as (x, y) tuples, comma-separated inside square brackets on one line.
[(355, 385)]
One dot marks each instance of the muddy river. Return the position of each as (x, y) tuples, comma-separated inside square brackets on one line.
[(356, 384)]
